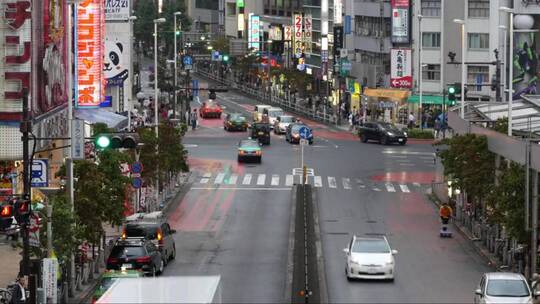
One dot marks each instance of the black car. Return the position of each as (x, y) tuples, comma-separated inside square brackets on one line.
[(235, 122), (136, 254), (261, 132), (383, 132), (292, 134), (155, 229)]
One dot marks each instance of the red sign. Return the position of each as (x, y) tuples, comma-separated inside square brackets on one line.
[(400, 3)]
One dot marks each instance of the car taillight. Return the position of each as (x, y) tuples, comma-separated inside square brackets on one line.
[(144, 259), (160, 237), (112, 260), (124, 234), (241, 152), (258, 152)]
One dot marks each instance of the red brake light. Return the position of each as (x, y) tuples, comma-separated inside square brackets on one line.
[(112, 260), (144, 259), (6, 211)]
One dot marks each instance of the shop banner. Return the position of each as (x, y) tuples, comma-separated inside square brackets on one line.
[(298, 45), (400, 21), (254, 32), (308, 33), (401, 68), (116, 10)]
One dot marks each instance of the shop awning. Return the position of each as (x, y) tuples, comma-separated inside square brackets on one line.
[(426, 99), (387, 93), (113, 120)]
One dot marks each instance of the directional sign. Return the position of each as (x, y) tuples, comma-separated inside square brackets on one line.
[(40, 176), (188, 60), (304, 132)]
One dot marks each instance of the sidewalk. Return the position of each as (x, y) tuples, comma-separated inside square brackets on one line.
[(9, 263)]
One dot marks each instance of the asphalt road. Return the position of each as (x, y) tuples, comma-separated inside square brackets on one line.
[(234, 220)]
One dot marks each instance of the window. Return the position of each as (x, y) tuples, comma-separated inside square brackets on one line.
[(207, 4), (478, 41), (431, 72), (478, 75), (231, 9), (371, 26), (431, 8), (478, 8), (431, 40)]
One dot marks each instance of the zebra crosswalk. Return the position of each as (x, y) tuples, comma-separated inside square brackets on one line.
[(223, 179)]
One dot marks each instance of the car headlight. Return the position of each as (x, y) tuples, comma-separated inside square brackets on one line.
[(390, 134), (389, 264), (405, 134)]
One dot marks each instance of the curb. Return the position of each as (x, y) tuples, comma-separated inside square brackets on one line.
[(477, 247), (290, 252), (323, 289)]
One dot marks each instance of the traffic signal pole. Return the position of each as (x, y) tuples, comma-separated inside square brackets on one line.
[(25, 130)]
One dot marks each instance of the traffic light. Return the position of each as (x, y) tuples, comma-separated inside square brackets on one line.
[(6, 211), (452, 95), (117, 140), (225, 58)]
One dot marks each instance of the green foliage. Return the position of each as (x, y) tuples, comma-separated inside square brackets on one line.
[(221, 44), (148, 153), (167, 29), (501, 125), (507, 201), (146, 12), (419, 133), (470, 165), (66, 237), (171, 151)]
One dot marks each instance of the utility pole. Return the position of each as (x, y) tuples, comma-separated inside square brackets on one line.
[(26, 126)]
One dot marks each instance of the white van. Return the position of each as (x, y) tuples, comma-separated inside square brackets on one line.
[(258, 112), (273, 114)]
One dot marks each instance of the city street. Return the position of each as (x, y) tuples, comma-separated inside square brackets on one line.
[(234, 221)]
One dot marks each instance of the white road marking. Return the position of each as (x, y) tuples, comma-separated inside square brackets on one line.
[(190, 146), (408, 152), (219, 178), (390, 187), (317, 181), (406, 164), (275, 180), (261, 179), (204, 180), (398, 156), (233, 179), (332, 182), (289, 180), (427, 158), (207, 175), (416, 184), (346, 183), (247, 179), (360, 183), (242, 189), (376, 189), (404, 188)]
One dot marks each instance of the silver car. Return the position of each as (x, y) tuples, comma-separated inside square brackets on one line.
[(504, 287), (282, 122), (370, 258)]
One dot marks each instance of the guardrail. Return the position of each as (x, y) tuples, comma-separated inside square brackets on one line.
[(271, 98)]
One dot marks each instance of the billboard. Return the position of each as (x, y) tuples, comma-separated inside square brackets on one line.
[(116, 10), (338, 11), (401, 68), (401, 21), (90, 83), (116, 62), (254, 36), (297, 25), (16, 63), (308, 33), (526, 7)]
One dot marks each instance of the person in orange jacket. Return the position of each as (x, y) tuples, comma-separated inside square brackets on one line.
[(445, 212)]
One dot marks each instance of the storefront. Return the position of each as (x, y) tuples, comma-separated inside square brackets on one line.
[(432, 106), (385, 104)]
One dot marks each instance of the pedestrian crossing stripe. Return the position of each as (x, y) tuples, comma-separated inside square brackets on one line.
[(275, 180)]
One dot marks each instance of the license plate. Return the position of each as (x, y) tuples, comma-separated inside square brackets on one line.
[(261, 133), (372, 270), (401, 139), (127, 266)]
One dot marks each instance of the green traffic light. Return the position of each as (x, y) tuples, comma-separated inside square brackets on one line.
[(225, 58), (177, 33), (103, 142), (451, 90)]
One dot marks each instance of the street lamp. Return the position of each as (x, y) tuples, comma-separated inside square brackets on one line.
[(463, 76), (130, 105), (510, 66), (176, 33), (156, 118), (420, 70)]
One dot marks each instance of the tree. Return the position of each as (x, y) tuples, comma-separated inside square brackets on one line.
[(146, 12), (183, 22), (66, 237), (501, 125), (221, 44)]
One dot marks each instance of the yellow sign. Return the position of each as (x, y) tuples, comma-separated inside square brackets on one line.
[(387, 93), (357, 88)]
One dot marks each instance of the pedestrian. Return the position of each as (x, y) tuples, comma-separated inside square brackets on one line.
[(186, 117), (437, 127), (194, 119), (18, 294), (412, 121), (444, 123), (351, 122)]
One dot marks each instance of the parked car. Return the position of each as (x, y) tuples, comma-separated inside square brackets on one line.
[(282, 122), (272, 114), (210, 109), (369, 258), (293, 133), (383, 132), (235, 121), (136, 254), (153, 227), (504, 287)]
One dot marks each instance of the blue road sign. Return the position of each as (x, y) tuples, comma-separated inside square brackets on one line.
[(195, 87), (188, 60), (305, 132), (136, 182), (136, 167), (215, 56), (40, 176)]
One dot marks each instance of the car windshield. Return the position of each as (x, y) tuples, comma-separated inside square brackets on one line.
[(296, 128), (127, 251), (141, 231), (211, 105), (237, 117), (286, 119), (507, 288), (275, 113), (388, 127), (370, 246), (249, 144)]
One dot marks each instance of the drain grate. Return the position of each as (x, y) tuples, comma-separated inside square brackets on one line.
[(337, 233), (331, 221), (371, 222)]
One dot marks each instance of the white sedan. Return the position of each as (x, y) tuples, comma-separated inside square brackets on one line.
[(504, 287), (370, 258)]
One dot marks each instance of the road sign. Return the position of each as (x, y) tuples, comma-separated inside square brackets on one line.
[(324, 55), (188, 67), (188, 60), (77, 139), (136, 182), (304, 132), (40, 176), (304, 142), (346, 65), (215, 56), (136, 167), (35, 222)]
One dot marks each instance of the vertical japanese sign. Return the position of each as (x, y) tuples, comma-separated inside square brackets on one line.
[(338, 11), (400, 21), (77, 139), (401, 68), (90, 82), (308, 33), (297, 24), (254, 32), (17, 55), (288, 33)]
